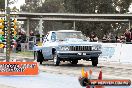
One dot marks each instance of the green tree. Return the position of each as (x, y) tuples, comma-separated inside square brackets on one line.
[(30, 7), (53, 6), (122, 5), (2, 4), (89, 6), (81, 6), (49, 6), (98, 6)]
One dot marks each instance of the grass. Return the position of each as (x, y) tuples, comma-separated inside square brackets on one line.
[(26, 53)]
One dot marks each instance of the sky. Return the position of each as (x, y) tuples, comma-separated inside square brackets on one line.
[(18, 3)]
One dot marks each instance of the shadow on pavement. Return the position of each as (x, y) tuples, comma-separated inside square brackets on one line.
[(67, 64)]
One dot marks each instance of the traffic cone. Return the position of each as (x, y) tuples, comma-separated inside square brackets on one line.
[(87, 86), (100, 78), (86, 74), (100, 75), (90, 73), (83, 73)]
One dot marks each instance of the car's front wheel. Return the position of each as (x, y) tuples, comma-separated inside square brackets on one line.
[(56, 60)]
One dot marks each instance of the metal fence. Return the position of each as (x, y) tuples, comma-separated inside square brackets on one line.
[(26, 46), (29, 44)]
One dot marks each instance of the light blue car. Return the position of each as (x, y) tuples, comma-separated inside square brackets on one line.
[(68, 45)]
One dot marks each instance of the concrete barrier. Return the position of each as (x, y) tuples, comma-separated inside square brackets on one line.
[(117, 52), (126, 53)]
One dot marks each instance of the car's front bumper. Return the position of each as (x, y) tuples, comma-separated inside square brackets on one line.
[(78, 54)]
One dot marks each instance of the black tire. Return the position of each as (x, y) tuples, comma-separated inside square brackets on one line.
[(84, 81), (74, 61), (40, 57), (41, 62), (56, 60), (95, 61)]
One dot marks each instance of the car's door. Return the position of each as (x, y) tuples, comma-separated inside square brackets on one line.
[(48, 44)]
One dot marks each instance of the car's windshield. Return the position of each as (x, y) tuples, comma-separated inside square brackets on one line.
[(65, 35)]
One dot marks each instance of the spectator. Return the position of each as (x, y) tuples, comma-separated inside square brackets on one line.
[(131, 34), (122, 38), (111, 38), (93, 37), (31, 33), (116, 37), (127, 35), (31, 37), (104, 39), (21, 39)]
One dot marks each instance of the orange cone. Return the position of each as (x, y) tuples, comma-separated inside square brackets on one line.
[(83, 72), (100, 75), (100, 78), (90, 71), (87, 86), (90, 74), (86, 74)]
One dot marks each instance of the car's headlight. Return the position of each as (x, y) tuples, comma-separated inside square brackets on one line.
[(65, 48), (96, 47), (99, 47)]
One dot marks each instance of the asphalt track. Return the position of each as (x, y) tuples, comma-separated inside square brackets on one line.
[(42, 80), (65, 75)]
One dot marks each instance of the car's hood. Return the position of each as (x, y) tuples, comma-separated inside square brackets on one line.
[(76, 42)]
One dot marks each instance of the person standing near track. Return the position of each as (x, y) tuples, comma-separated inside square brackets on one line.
[(127, 35)]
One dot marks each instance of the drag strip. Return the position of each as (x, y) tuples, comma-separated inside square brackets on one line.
[(110, 70)]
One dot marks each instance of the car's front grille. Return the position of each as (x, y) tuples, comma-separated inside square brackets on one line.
[(80, 48)]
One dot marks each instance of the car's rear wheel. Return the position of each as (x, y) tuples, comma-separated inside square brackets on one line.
[(74, 61), (56, 60), (95, 61)]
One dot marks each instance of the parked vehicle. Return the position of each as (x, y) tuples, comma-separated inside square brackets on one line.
[(67, 45)]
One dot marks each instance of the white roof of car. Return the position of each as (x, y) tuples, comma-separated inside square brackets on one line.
[(68, 31)]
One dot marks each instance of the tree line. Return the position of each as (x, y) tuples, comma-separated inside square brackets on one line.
[(80, 6)]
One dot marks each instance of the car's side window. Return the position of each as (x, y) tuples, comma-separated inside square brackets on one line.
[(53, 36)]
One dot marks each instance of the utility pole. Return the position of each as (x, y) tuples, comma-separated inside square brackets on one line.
[(40, 29), (7, 34)]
